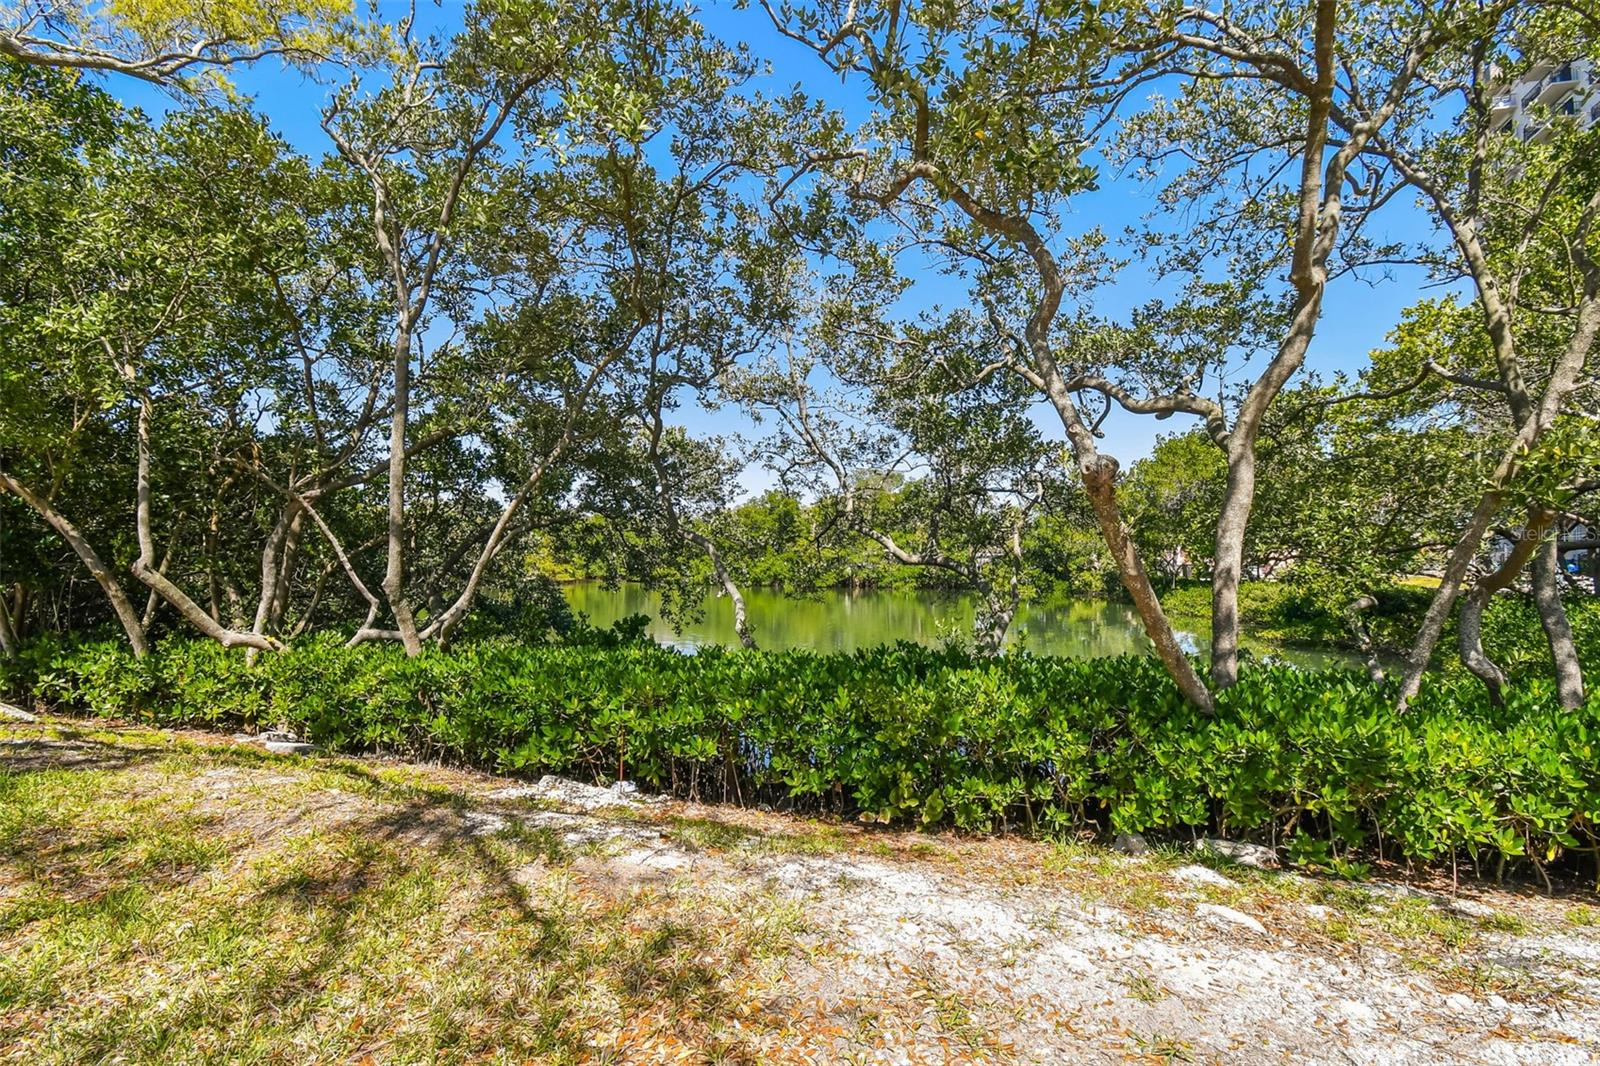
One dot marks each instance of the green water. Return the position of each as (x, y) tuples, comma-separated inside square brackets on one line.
[(844, 621)]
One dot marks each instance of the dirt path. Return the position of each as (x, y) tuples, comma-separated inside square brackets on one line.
[(911, 948)]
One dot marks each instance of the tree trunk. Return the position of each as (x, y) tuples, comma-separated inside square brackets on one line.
[(91, 560), (1000, 604), (1358, 629), (741, 621), (144, 568), (993, 623), (9, 642), (1232, 521), (1317, 219), (1239, 494), (272, 572), (1443, 600), (1099, 481), (1470, 642), (287, 571), (19, 612), (394, 582), (274, 562), (151, 600), (1473, 657), (1557, 630)]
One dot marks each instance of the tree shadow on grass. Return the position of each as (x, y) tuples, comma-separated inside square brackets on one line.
[(530, 965), (69, 750), (659, 953)]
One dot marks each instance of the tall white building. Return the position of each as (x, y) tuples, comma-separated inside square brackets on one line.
[(1548, 90)]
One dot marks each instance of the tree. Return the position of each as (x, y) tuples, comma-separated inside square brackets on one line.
[(57, 132), (1265, 89), (916, 450), (146, 308), (1520, 220), (173, 42), (502, 167), (984, 114)]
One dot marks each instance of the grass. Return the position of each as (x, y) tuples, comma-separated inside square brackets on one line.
[(1143, 987), (1165, 1049), (166, 902), (1514, 985), (707, 834), (955, 1017)]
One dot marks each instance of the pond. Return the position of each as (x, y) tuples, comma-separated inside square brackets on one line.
[(839, 620)]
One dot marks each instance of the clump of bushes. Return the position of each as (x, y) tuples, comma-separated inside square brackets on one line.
[(1314, 613), (1315, 761)]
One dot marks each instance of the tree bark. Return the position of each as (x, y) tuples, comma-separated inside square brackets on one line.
[(1099, 481), (1099, 472), (1308, 274), (994, 621), (287, 570), (1358, 629), (1000, 603), (741, 620), (1470, 641), (1319, 217), (1557, 630), (412, 287), (274, 562), (145, 570), (91, 560), (1233, 519), (19, 611), (275, 558), (9, 642), (394, 574), (1473, 604), (151, 600), (1443, 600)]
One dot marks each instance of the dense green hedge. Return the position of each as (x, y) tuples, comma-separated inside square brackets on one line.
[(1317, 761)]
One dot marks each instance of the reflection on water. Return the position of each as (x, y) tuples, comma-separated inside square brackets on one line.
[(843, 621)]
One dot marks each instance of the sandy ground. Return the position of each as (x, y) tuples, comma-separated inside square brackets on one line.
[(1045, 972)]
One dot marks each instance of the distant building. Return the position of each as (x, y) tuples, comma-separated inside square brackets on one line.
[(1548, 90), (1580, 554)]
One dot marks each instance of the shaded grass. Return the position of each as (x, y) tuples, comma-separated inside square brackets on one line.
[(179, 904)]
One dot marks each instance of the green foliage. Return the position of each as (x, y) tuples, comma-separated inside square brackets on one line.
[(919, 735), (1515, 639), (184, 43), (1172, 499), (1310, 610)]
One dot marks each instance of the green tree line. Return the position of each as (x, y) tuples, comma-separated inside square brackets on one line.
[(255, 393)]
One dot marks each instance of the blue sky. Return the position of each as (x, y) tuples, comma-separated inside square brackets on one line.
[(1357, 314)]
